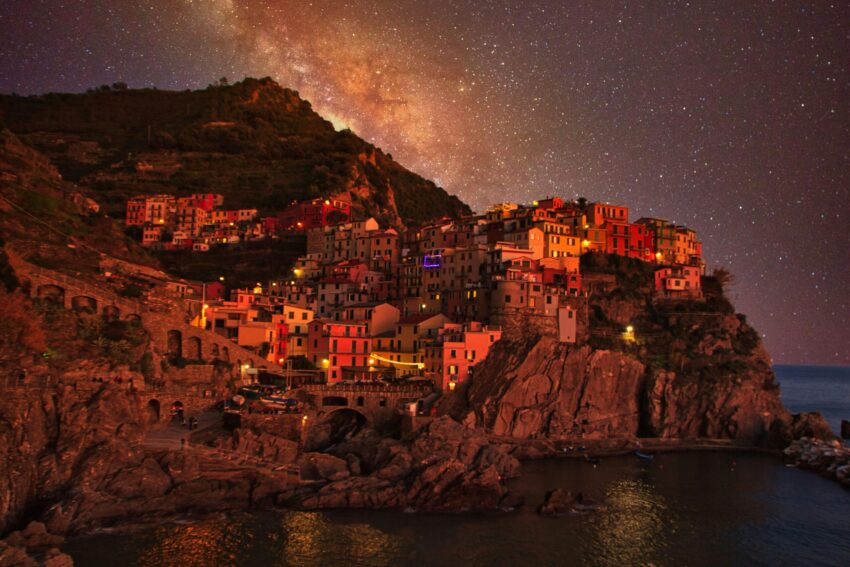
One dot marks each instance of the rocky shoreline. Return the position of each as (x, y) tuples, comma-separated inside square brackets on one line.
[(829, 458)]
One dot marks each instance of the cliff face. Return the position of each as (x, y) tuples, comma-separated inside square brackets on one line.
[(57, 442), (258, 144), (691, 370), (545, 388)]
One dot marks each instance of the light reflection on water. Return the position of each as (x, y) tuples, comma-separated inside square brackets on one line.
[(632, 527), (681, 509)]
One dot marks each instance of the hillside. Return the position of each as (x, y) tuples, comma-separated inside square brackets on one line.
[(258, 144), (51, 221)]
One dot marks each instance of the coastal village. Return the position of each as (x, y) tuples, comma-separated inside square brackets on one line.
[(368, 302)]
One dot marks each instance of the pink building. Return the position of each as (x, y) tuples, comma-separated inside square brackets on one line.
[(458, 348)]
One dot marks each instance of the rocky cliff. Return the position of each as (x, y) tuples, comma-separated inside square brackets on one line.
[(691, 369)]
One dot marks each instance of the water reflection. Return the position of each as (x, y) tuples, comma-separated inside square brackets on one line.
[(311, 536), (209, 543), (631, 530)]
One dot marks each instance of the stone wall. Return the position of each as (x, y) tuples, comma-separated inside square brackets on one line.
[(519, 324)]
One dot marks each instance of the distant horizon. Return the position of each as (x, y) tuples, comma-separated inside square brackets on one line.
[(816, 364)]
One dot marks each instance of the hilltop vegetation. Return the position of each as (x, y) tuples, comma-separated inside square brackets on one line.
[(258, 144)]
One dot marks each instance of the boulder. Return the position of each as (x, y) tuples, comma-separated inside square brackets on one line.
[(556, 503), (559, 502), (321, 466)]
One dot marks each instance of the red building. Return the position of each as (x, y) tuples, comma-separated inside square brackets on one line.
[(136, 215), (270, 225), (571, 281), (630, 240), (278, 350), (338, 345), (315, 213)]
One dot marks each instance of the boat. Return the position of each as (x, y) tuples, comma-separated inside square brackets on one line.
[(275, 402), (591, 459), (644, 456)]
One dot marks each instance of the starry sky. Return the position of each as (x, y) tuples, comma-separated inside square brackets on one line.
[(728, 116)]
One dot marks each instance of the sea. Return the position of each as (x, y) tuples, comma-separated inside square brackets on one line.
[(691, 508)]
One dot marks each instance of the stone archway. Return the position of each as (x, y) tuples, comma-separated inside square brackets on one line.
[(52, 293), (84, 304), (193, 348), (175, 344)]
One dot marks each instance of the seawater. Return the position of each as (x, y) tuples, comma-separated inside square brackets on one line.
[(816, 388), (680, 509)]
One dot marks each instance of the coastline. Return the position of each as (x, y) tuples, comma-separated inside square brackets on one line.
[(664, 447)]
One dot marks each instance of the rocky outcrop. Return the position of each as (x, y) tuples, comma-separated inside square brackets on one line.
[(33, 546), (542, 389), (829, 458), (548, 389), (445, 467), (262, 445), (75, 461), (560, 502)]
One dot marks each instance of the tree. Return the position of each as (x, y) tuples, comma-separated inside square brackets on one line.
[(223, 81), (582, 203), (21, 334), (724, 278)]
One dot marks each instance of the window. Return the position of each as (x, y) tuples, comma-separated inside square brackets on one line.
[(507, 299), (298, 342)]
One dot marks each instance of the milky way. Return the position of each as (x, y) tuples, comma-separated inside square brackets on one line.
[(729, 117)]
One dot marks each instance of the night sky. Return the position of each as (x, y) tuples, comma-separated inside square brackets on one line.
[(730, 117)]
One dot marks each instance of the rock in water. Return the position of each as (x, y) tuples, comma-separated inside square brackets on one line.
[(559, 502)]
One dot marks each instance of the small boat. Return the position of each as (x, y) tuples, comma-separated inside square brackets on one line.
[(644, 456), (275, 402), (591, 459)]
